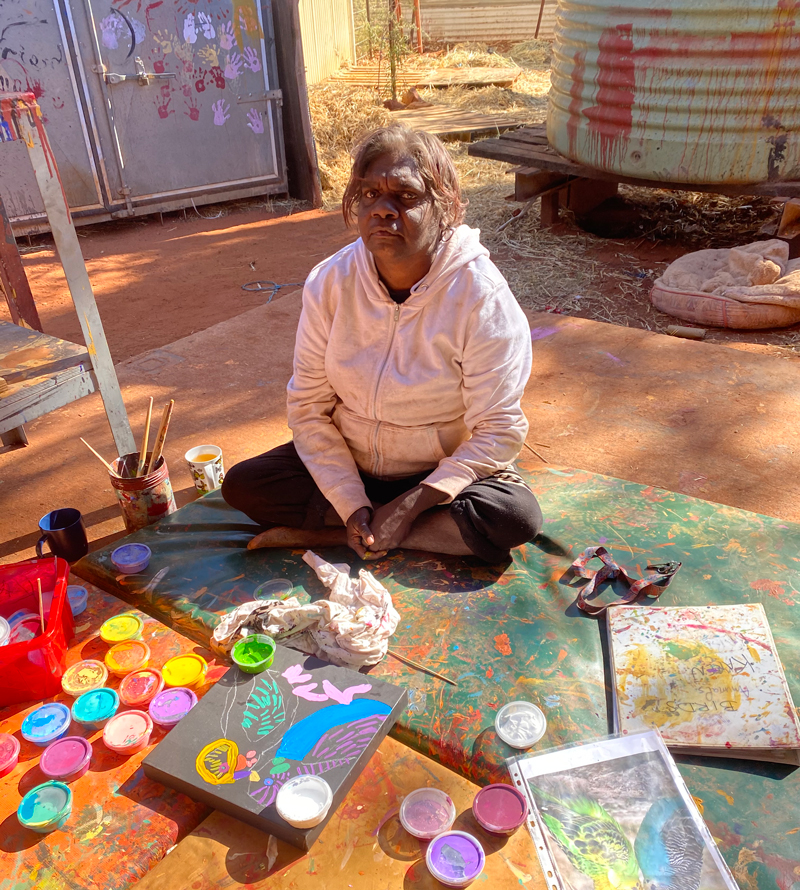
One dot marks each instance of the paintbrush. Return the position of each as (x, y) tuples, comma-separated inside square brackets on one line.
[(421, 667), (102, 460), (41, 603), (161, 436), (143, 449)]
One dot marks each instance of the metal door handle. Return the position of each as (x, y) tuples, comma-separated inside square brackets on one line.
[(142, 76)]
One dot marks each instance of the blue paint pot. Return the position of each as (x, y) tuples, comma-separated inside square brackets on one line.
[(45, 807), (78, 598), (46, 724), (95, 708), (131, 558)]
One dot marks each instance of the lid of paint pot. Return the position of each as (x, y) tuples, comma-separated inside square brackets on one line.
[(185, 670), (65, 757), (78, 598), (95, 706), (500, 809), (131, 558), (25, 629), (254, 653), (45, 804), (16, 617), (427, 812), (277, 588), (520, 724), (171, 705), (455, 858), (140, 687), (128, 729), (121, 627), (5, 631), (304, 801), (9, 751), (131, 655), (84, 676), (46, 723)]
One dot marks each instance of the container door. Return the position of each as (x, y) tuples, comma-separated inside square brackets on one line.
[(186, 90)]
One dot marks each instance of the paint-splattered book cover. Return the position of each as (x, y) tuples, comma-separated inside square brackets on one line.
[(708, 677), (615, 814), (252, 732)]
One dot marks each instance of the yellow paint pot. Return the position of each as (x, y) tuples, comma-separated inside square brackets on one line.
[(132, 655), (83, 677), (185, 670), (121, 628)]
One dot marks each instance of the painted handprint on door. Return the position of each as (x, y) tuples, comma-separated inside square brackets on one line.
[(226, 38), (206, 26), (251, 60), (233, 66), (220, 109), (255, 121), (189, 30)]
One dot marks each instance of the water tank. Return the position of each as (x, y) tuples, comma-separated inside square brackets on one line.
[(703, 91)]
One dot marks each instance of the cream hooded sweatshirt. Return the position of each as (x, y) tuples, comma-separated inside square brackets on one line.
[(430, 386)]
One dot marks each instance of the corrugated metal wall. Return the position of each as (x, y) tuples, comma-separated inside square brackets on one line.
[(484, 21), (328, 36)]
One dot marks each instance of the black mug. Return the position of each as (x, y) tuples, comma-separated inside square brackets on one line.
[(64, 531)]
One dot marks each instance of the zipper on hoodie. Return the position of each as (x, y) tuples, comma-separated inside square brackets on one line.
[(381, 372)]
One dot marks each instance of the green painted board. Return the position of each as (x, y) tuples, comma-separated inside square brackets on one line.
[(513, 631)]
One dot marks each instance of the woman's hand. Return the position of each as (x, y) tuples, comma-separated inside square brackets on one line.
[(359, 534)]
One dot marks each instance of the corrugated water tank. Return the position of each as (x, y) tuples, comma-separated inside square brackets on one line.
[(694, 91)]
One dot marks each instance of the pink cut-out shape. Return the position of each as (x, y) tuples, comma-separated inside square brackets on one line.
[(307, 693), (346, 696), (294, 674)]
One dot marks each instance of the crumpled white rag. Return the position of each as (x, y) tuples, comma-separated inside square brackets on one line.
[(351, 628)]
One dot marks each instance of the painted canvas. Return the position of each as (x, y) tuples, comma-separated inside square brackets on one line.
[(251, 733), (709, 678), (615, 814)]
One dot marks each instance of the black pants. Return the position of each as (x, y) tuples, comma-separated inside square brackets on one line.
[(275, 488)]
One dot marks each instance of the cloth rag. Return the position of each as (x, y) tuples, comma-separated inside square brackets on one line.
[(351, 628)]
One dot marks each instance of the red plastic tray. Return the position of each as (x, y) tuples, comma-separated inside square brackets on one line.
[(33, 669)]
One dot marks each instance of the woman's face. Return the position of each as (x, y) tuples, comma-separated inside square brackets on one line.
[(396, 218)]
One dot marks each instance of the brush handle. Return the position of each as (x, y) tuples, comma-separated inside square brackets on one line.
[(102, 460), (143, 449), (162, 435)]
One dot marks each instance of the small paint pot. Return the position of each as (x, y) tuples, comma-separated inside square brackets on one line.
[(171, 705), (17, 616), (67, 759), (45, 807), (46, 724), (131, 558), (185, 670), (140, 687), (277, 588), (121, 627), (25, 629), (123, 658), (128, 732), (78, 598), (427, 812), (520, 724), (500, 809), (254, 653), (95, 708), (83, 677), (455, 858), (9, 753), (304, 801), (5, 631)]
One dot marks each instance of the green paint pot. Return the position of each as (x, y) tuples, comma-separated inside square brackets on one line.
[(254, 654), (46, 807)]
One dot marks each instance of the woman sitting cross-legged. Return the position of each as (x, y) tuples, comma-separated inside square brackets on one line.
[(411, 358)]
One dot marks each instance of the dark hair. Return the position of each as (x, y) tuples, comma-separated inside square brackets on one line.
[(433, 163)]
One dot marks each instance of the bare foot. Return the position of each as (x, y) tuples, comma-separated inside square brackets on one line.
[(283, 536)]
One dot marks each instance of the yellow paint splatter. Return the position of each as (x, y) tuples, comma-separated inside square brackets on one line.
[(725, 795), (754, 654)]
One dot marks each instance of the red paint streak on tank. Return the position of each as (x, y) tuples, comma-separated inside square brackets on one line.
[(575, 106), (611, 119)]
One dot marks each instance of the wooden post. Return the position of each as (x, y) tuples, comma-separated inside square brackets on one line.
[(392, 53), (418, 22), (369, 32), (13, 280), (539, 20), (69, 252)]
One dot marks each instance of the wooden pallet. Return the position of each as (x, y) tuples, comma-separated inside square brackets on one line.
[(454, 123), (377, 77)]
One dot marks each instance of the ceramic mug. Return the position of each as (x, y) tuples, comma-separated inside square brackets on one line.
[(205, 464), (63, 530)]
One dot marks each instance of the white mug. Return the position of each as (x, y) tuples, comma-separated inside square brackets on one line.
[(205, 464)]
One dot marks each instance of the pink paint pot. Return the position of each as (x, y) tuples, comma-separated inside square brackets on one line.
[(140, 687), (67, 759), (9, 753), (500, 809), (128, 732), (25, 629), (171, 705), (427, 812)]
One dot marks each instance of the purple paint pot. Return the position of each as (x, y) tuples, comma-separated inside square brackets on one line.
[(171, 706), (9, 753), (500, 809), (67, 759), (455, 858), (427, 812)]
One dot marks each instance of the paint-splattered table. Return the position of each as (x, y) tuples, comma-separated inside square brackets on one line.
[(513, 631), (363, 846)]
